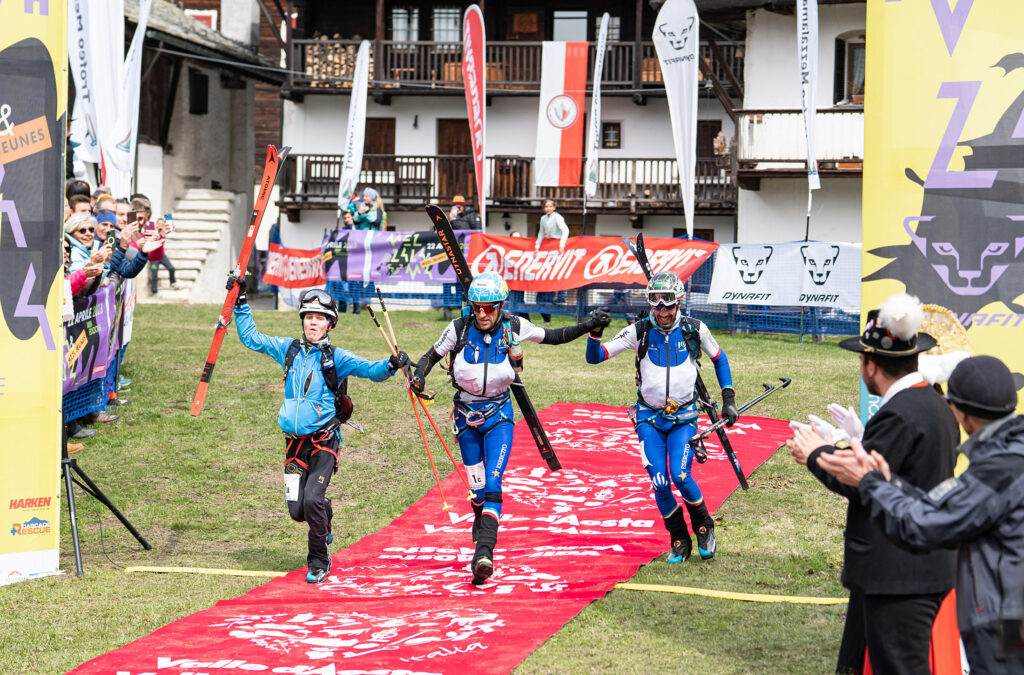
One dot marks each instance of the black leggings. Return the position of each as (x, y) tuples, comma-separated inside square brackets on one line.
[(315, 468), (154, 269)]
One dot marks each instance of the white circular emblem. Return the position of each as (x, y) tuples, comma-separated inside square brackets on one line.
[(562, 111)]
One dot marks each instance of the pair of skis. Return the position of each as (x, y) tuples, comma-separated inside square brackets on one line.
[(450, 245), (271, 170)]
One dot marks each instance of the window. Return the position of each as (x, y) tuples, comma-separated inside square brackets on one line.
[(570, 26), (611, 135), (848, 81), (405, 24), (614, 28), (447, 25)]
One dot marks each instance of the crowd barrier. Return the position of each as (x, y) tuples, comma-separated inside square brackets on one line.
[(624, 301)]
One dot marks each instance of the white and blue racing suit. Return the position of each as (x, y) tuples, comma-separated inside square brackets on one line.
[(665, 376)]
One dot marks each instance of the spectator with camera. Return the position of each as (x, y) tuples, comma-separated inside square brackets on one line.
[(462, 216), (80, 233), (158, 256)]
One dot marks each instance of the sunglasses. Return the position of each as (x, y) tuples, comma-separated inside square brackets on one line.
[(485, 308), (86, 229), (662, 300)]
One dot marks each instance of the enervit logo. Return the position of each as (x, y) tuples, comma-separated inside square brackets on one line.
[(33, 526)]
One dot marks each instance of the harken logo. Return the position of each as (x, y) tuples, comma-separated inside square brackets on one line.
[(751, 262), (819, 261), (30, 503), (677, 37), (562, 111), (33, 526)]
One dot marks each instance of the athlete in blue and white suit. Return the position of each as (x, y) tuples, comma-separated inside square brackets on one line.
[(666, 345), (486, 349)]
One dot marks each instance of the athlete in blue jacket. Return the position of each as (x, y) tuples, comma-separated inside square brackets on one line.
[(667, 346), (308, 418), (486, 354)]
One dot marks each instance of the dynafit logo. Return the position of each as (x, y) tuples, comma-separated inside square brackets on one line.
[(33, 526)]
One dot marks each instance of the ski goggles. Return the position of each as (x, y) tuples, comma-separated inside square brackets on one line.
[(662, 300), (486, 308), (316, 295)]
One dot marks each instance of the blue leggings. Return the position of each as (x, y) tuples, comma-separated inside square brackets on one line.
[(486, 449), (665, 445)]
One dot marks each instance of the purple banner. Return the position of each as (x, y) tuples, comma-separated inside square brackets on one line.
[(98, 317), (371, 255)]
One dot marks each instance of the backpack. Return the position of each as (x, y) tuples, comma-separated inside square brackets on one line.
[(342, 402), (691, 336)]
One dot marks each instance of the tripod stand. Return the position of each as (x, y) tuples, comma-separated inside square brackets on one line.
[(69, 465)]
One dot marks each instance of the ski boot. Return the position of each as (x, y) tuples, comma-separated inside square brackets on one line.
[(318, 572), (483, 557), (682, 546), (704, 527)]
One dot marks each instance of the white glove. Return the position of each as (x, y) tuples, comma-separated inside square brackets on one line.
[(827, 431), (797, 426), (847, 420)]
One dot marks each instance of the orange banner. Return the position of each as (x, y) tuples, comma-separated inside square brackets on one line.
[(293, 267), (585, 260), (23, 140)]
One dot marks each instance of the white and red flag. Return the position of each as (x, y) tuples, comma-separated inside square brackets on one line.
[(558, 159), (474, 75)]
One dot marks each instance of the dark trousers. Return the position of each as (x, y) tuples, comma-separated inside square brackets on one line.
[(986, 654), (896, 629), (312, 459), (154, 267)]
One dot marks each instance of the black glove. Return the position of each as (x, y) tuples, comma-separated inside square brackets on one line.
[(231, 282), (599, 320), (396, 363), (729, 411)]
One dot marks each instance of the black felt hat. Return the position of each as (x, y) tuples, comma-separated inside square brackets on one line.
[(983, 386), (879, 341)]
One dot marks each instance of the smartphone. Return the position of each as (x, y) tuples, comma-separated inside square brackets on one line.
[(147, 226), (169, 222), (132, 217), (111, 237)]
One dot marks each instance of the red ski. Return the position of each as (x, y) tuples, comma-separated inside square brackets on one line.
[(275, 158)]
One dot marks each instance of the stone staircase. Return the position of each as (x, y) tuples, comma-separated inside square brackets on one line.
[(201, 235)]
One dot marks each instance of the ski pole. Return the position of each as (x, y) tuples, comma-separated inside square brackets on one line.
[(768, 391), (393, 346)]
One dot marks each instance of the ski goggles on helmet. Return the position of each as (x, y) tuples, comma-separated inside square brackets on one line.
[(662, 299), (487, 308), (316, 295)]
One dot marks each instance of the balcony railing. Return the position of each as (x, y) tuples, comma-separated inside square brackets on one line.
[(437, 66), (776, 137), (311, 181)]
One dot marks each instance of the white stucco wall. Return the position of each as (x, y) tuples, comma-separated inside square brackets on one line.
[(770, 70), (778, 211)]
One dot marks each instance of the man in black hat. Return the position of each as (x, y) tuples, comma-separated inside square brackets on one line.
[(982, 510), (894, 594)]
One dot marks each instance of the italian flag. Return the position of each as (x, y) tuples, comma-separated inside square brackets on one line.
[(558, 158)]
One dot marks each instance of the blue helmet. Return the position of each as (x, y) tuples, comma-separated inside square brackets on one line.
[(488, 287)]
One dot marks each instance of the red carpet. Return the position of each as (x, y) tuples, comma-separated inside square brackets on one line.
[(400, 601)]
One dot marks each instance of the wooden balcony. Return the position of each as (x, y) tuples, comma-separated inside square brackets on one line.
[(407, 182), (772, 144), (326, 66)]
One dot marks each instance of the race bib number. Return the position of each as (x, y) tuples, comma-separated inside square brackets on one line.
[(291, 487)]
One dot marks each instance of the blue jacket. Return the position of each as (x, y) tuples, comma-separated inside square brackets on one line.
[(80, 254), (308, 402), (127, 264)]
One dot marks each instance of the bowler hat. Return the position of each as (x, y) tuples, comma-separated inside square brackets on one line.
[(983, 386)]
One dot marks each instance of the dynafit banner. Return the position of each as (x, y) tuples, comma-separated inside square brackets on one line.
[(944, 164), (33, 99), (585, 260)]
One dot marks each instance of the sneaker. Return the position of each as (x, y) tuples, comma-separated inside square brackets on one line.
[(123, 381), (104, 416), (76, 430), (175, 285), (317, 574), (681, 550), (483, 568), (75, 447), (117, 402), (706, 544)]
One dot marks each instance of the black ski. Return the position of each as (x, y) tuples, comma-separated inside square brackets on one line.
[(703, 398), (446, 235)]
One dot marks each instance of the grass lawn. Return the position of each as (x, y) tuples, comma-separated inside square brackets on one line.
[(206, 493)]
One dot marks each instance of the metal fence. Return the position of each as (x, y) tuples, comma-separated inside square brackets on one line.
[(624, 302)]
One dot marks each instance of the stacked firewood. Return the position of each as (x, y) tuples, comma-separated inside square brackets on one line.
[(331, 64)]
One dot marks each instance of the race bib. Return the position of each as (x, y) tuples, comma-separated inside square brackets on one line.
[(291, 487)]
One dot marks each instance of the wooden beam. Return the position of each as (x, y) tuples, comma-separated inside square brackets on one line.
[(273, 28), (720, 60), (723, 95), (638, 55), (378, 44)]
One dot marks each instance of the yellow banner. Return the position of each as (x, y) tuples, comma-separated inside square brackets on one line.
[(944, 164), (33, 100)]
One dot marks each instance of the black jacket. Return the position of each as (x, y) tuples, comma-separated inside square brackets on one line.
[(917, 434), (982, 510), (467, 220)]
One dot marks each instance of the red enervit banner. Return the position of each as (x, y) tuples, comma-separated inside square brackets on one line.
[(293, 267), (586, 260)]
